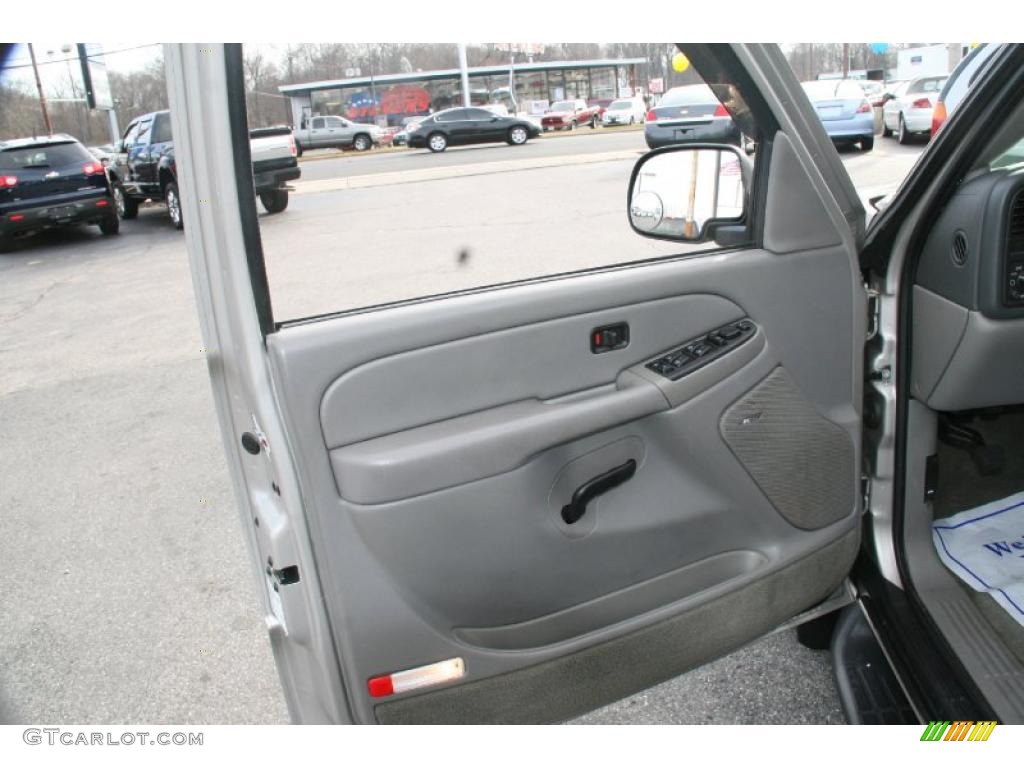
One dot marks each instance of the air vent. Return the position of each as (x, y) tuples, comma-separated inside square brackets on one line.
[(1015, 236), (959, 248)]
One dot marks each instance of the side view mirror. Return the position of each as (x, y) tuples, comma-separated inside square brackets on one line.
[(686, 192), (119, 146)]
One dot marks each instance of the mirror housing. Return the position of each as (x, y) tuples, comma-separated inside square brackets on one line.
[(119, 146), (686, 192)]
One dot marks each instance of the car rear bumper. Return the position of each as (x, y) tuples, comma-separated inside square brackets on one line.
[(274, 179), (852, 128), (89, 209), (720, 131), (918, 120)]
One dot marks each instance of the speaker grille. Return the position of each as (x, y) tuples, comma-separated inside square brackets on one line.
[(800, 459), (959, 248)]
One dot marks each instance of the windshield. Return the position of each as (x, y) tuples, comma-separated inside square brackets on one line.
[(563, 106), (43, 156), (620, 105)]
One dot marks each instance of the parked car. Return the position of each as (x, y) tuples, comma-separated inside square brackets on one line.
[(892, 89), (874, 91), (468, 125), (52, 182), (910, 112), (401, 138), (143, 166), (333, 132), (844, 110), (601, 105), (959, 82), (103, 153), (625, 112), (569, 114), (688, 114)]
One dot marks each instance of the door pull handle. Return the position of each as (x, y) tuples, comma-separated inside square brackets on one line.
[(591, 489)]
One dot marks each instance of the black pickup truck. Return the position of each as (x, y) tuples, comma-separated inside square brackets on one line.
[(142, 166)]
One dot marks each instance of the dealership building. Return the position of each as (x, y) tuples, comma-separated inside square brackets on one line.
[(526, 87)]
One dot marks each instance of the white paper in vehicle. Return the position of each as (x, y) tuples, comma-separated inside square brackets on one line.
[(984, 546)]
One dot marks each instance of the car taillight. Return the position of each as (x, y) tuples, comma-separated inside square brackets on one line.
[(92, 169), (291, 145), (865, 107), (922, 104), (938, 116), (651, 115), (721, 111), (8, 181)]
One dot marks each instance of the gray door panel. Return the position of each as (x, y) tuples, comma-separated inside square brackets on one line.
[(461, 551), (405, 506)]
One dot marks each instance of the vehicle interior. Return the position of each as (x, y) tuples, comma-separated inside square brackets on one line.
[(965, 437)]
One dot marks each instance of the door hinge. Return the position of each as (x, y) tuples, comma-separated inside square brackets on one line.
[(874, 312)]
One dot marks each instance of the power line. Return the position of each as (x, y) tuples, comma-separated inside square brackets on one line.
[(75, 58)]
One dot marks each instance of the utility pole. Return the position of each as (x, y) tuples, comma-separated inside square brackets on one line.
[(39, 87)]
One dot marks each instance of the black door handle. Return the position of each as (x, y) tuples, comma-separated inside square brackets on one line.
[(591, 489)]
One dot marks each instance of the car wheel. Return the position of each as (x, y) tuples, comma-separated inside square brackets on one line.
[(275, 201), (6, 244), (593, 122), (867, 143), (886, 130), (632, 119), (517, 135), (173, 201), (362, 143), (437, 142), (572, 126), (298, 149), (902, 134), (126, 207), (111, 225)]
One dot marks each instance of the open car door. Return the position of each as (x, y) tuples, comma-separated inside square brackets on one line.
[(503, 504)]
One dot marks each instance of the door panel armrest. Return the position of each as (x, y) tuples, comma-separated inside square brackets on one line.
[(486, 443)]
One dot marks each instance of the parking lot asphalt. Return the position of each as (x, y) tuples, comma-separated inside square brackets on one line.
[(127, 593)]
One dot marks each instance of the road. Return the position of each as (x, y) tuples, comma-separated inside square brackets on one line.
[(128, 595)]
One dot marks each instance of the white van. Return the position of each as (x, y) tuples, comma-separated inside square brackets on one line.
[(625, 112)]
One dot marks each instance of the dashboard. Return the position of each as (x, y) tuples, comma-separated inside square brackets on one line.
[(968, 303)]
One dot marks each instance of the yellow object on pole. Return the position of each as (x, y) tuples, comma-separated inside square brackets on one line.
[(680, 63)]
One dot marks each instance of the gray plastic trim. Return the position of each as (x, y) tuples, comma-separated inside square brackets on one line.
[(479, 445), (613, 608), (796, 218), (578, 682), (995, 350), (939, 326)]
